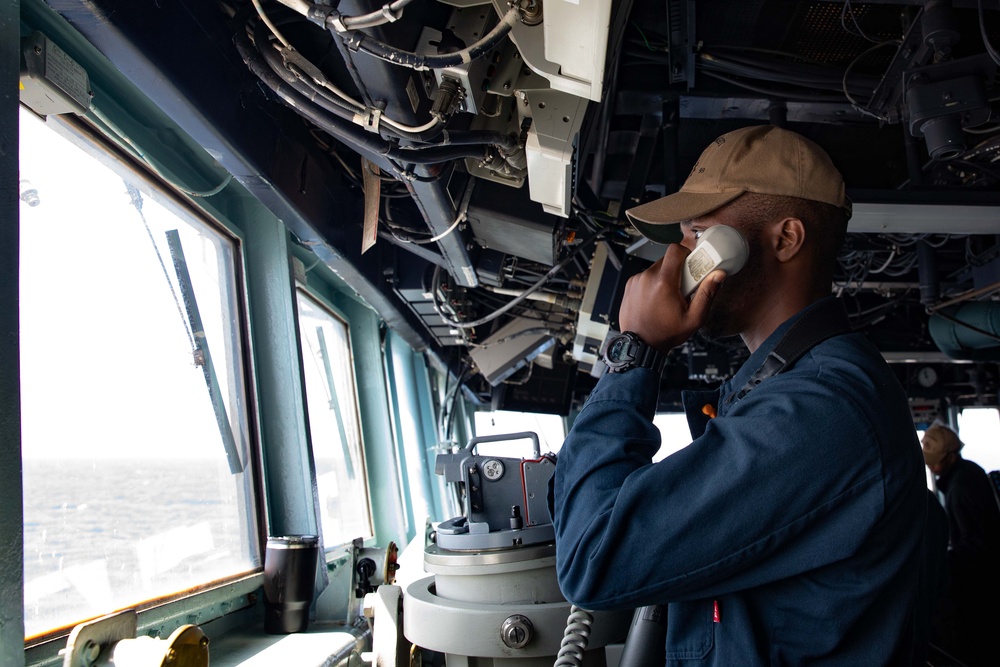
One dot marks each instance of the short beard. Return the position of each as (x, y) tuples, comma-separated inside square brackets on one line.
[(732, 306)]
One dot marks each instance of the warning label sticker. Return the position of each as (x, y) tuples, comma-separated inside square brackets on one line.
[(699, 263)]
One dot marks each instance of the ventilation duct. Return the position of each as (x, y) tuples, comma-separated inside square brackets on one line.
[(968, 331)]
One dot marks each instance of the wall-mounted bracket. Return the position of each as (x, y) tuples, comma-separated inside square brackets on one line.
[(111, 640), (88, 640)]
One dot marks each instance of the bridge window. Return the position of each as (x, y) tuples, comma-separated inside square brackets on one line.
[(334, 427), (978, 429), (550, 430), (137, 474)]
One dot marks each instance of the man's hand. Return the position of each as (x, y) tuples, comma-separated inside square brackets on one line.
[(654, 308)]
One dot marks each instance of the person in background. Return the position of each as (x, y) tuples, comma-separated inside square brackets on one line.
[(968, 623), (793, 530)]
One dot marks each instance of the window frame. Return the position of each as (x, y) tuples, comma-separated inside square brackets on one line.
[(386, 493), (101, 148), (334, 550)]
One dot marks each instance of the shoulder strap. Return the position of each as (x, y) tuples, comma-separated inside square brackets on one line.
[(826, 320)]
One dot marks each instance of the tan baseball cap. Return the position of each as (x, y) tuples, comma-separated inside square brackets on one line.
[(764, 159), (938, 442)]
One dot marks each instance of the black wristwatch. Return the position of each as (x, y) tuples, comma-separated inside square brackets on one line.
[(626, 350)]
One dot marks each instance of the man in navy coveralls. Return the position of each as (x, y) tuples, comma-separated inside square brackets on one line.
[(793, 529)]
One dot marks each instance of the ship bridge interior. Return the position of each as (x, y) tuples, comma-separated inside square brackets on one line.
[(397, 216)]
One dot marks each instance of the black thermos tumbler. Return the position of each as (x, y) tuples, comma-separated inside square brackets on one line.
[(289, 582)]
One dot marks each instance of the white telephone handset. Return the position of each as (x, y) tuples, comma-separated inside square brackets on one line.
[(720, 247)]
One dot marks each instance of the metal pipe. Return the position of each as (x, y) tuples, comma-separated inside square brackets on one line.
[(930, 286)]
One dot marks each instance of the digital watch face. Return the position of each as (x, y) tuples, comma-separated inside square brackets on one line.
[(619, 350), (621, 353)]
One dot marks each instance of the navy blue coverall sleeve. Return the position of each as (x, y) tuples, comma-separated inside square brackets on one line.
[(788, 480)]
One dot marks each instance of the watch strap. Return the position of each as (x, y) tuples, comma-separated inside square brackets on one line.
[(649, 357)]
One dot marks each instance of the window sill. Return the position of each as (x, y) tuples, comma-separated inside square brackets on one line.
[(324, 644)]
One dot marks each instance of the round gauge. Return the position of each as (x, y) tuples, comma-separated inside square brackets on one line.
[(927, 377)]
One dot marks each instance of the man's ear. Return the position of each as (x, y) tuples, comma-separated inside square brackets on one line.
[(788, 236)]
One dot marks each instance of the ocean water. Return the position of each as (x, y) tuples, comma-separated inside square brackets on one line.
[(106, 535)]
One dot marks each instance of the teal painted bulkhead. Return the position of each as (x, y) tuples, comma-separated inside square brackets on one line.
[(392, 379)]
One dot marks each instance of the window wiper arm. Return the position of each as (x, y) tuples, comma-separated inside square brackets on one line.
[(334, 402), (202, 355)]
